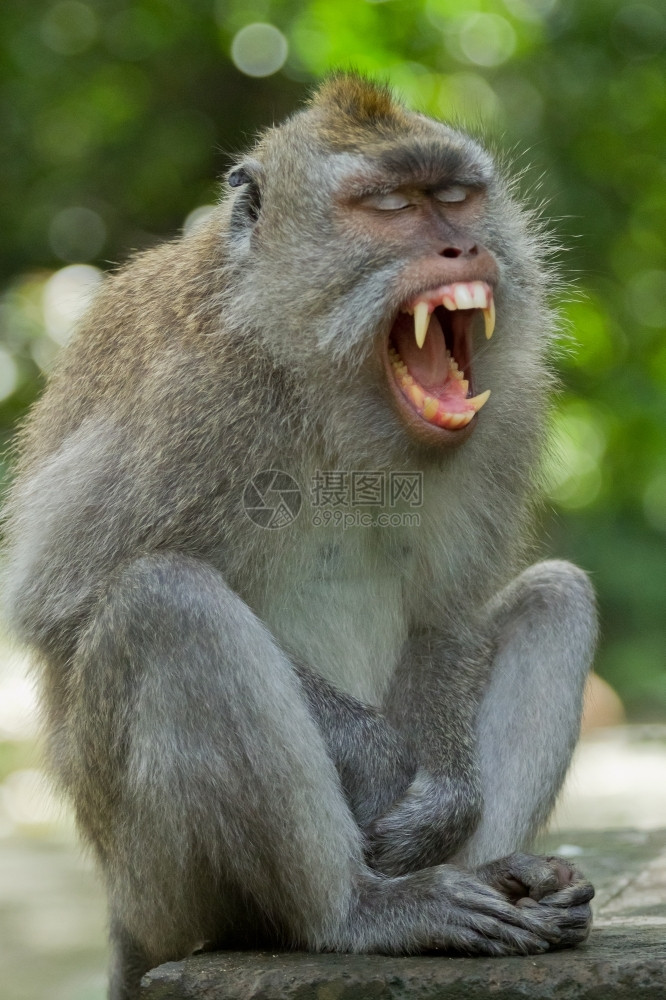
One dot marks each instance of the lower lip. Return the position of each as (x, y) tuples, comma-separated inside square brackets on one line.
[(417, 425)]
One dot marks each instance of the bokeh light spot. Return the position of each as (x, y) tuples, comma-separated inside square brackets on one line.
[(259, 49), (521, 104), (530, 10), (67, 295), (577, 445), (469, 95), (28, 798), (8, 374), (77, 234), (69, 27), (639, 30), (646, 298), (196, 218), (654, 501), (487, 39)]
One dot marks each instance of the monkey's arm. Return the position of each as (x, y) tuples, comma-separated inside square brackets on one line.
[(433, 703), (376, 765)]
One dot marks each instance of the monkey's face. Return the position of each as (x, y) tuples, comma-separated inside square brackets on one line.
[(446, 285), (373, 248)]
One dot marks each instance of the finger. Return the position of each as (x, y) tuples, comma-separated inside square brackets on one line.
[(571, 895), (571, 917), (520, 940), (469, 941), (535, 920), (573, 936)]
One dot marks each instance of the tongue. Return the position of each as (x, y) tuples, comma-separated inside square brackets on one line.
[(429, 364)]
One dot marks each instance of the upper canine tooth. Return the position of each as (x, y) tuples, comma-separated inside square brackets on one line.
[(463, 296), (421, 318), (489, 319)]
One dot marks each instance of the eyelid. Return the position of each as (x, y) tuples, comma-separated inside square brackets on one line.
[(392, 201), (452, 194)]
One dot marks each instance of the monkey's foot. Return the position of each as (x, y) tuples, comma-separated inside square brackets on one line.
[(549, 882)]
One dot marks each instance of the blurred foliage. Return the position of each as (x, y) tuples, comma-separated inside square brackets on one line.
[(117, 115)]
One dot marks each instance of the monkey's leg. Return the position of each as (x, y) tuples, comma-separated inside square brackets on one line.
[(201, 775), (215, 808), (543, 628), (497, 718)]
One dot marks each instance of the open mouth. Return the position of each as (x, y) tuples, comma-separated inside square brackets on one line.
[(430, 354)]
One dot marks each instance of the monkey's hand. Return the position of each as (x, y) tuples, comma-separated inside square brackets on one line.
[(545, 882), (426, 827)]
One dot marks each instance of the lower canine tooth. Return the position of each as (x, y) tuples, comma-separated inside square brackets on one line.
[(478, 401), (489, 319)]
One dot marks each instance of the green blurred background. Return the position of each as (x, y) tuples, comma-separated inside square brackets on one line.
[(117, 116)]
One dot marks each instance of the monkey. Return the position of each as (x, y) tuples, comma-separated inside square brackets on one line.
[(312, 736)]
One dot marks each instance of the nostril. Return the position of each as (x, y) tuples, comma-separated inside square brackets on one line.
[(459, 251)]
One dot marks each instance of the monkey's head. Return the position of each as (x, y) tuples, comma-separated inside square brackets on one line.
[(376, 246)]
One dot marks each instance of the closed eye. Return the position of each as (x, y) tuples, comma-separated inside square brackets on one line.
[(454, 193), (391, 202)]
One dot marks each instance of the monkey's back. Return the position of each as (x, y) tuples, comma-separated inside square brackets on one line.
[(137, 441)]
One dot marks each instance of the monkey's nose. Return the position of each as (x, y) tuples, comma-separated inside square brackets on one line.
[(456, 251)]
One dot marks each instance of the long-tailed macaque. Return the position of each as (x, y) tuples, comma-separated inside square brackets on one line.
[(320, 735)]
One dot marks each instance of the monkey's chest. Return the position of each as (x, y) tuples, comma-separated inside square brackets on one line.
[(340, 609)]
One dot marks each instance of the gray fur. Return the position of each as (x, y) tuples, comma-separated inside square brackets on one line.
[(309, 737)]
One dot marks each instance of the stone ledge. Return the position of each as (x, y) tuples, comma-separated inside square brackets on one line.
[(625, 956)]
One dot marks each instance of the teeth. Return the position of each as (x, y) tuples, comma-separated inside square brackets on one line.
[(453, 421), (421, 317), (416, 395), (464, 297), (430, 407), (489, 319), (470, 295), (478, 401), (476, 295), (479, 295)]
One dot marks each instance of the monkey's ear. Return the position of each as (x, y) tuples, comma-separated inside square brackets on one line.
[(238, 177), (248, 202)]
